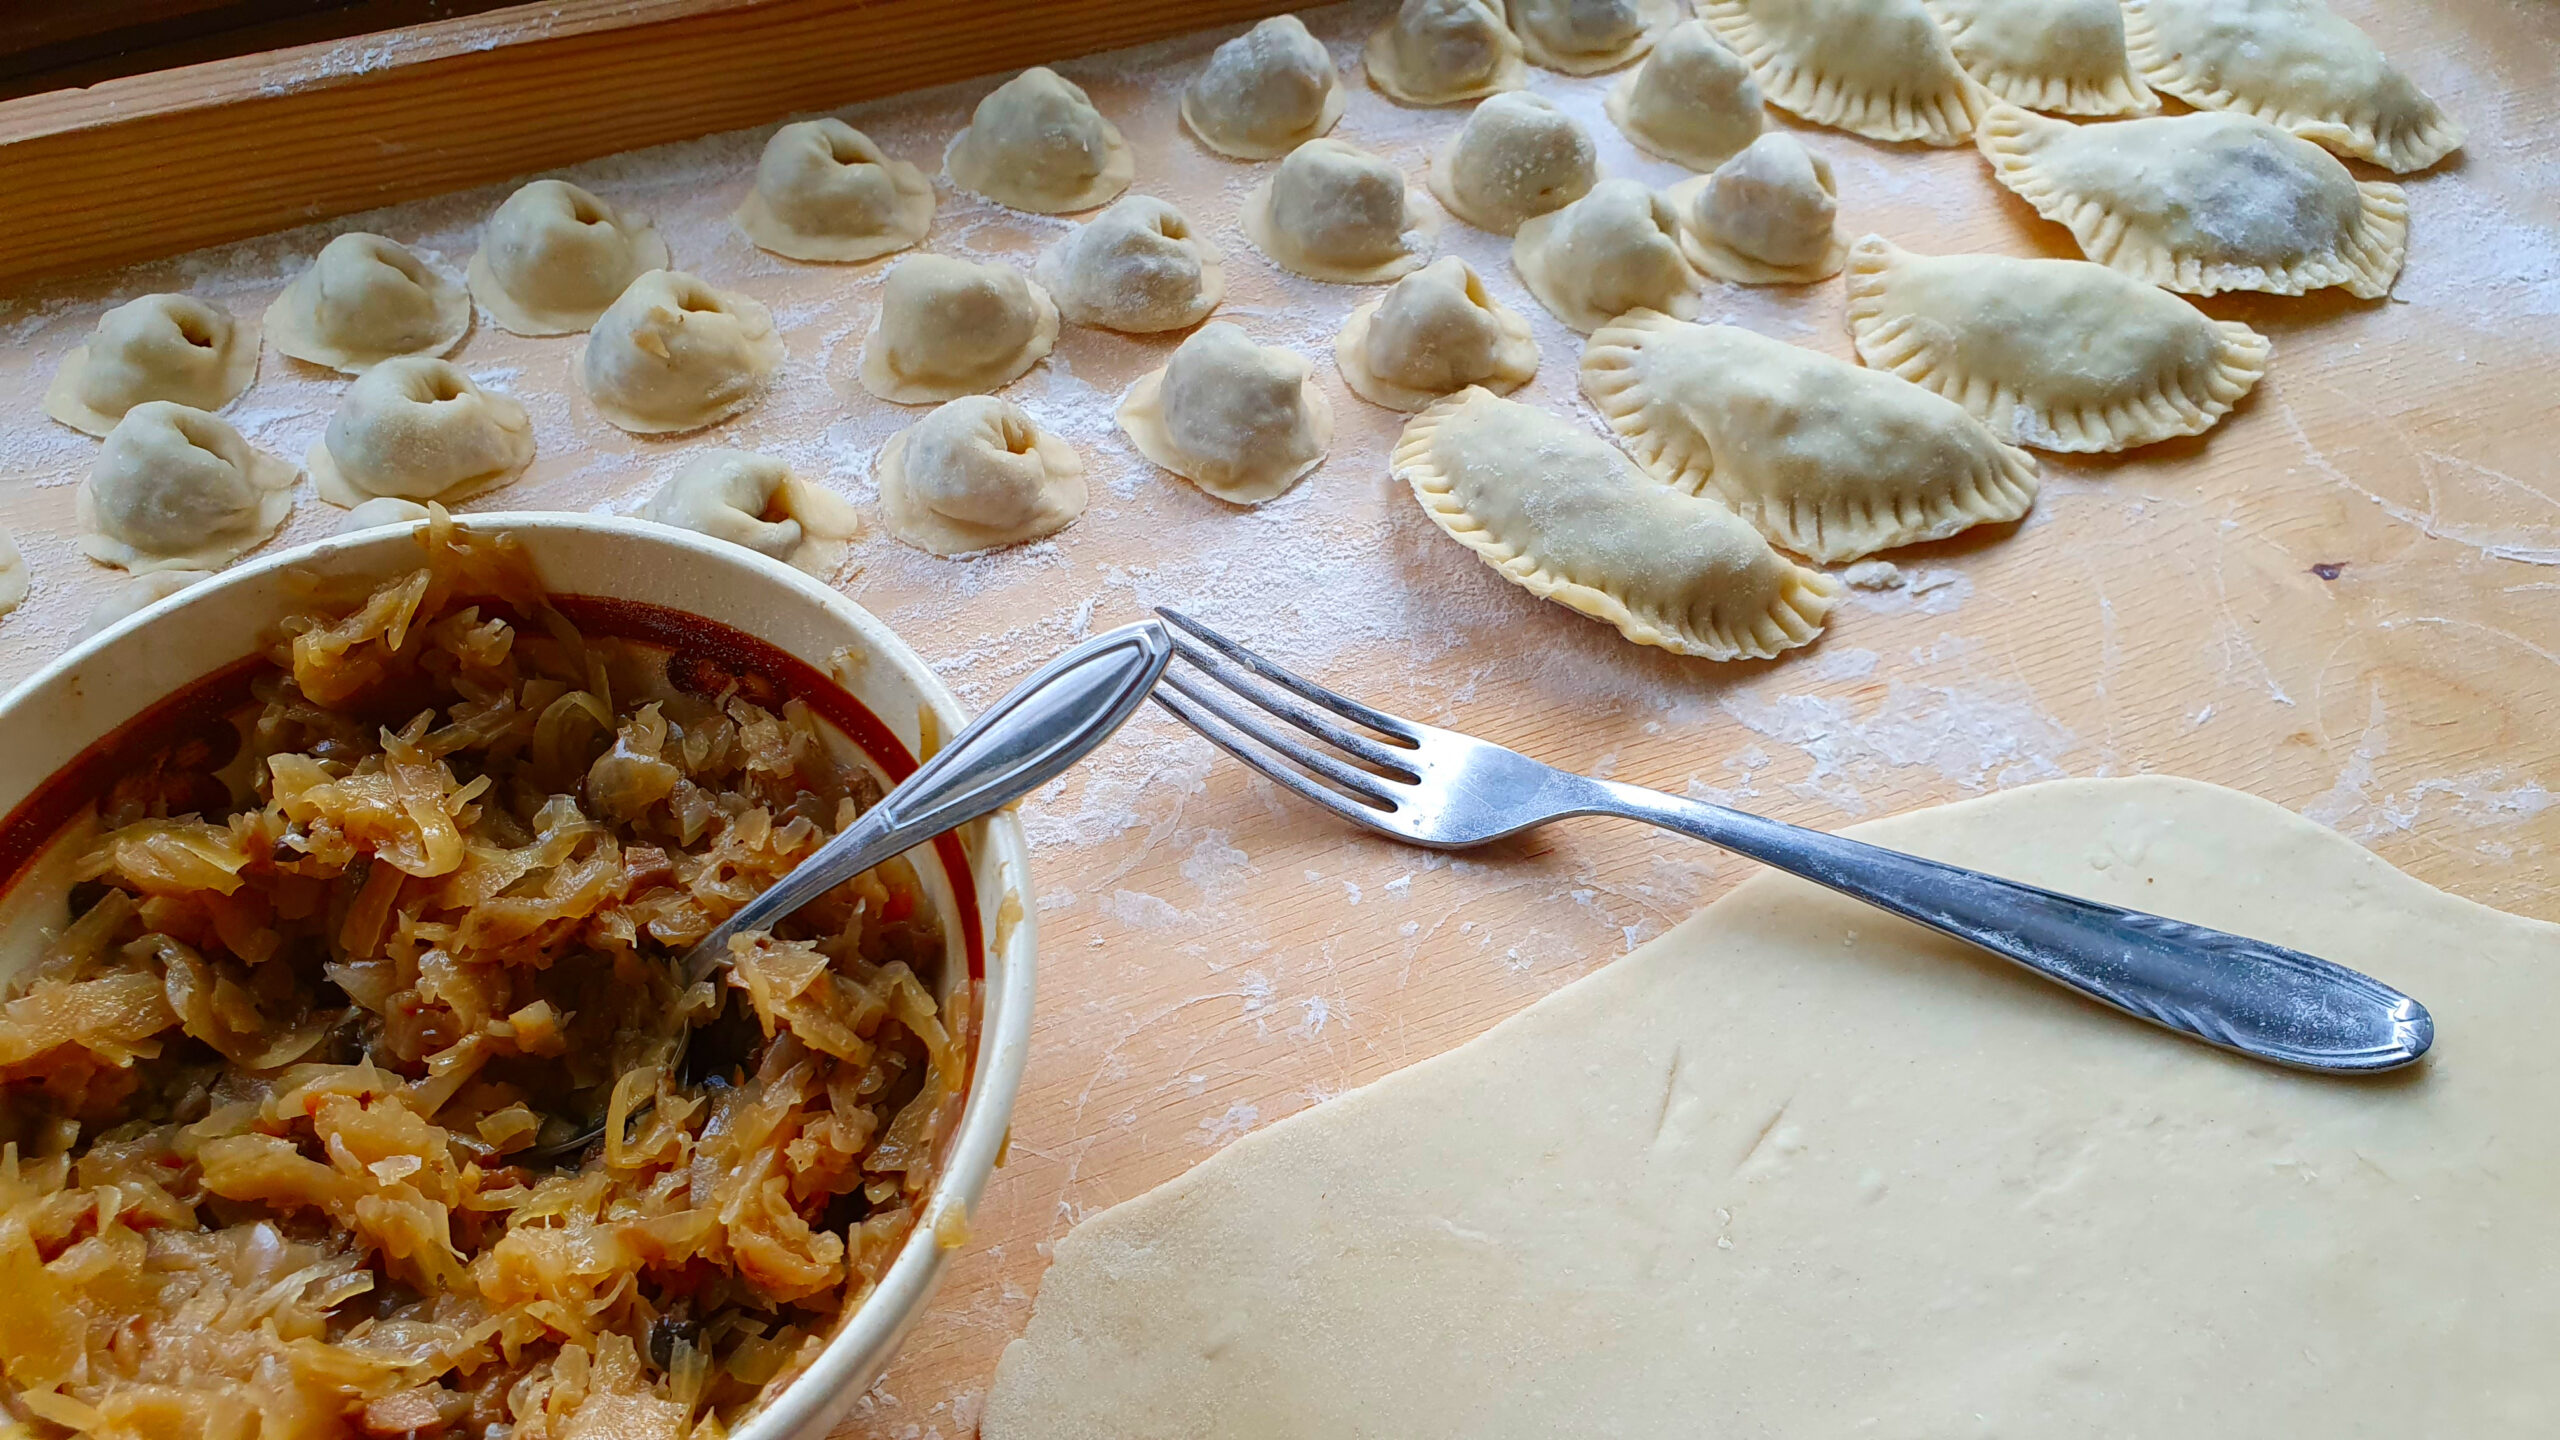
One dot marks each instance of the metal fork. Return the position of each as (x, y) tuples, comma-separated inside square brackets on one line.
[(1439, 788)]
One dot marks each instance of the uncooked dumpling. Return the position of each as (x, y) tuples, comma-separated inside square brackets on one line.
[(1442, 52), (1879, 68), (554, 256), (2296, 64), (755, 501), (1265, 92), (975, 474), (824, 191), (1693, 102), (674, 354), (1137, 267), (1241, 421), (364, 300), (382, 510), (160, 347), (1768, 216), (419, 429), (1038, 144), (2066, 57), (1336, 212), (949, 328), (1517, 156), (140, 593), (14, 579), (1585, 37), (1612, 251), (177, 489), (1435, 332)]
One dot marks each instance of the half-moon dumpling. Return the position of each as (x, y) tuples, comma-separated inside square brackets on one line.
[(1880, 68), (2057, 354), (1336, 212), (177, 489), (1038, 144), (1264, 93), (2062, 56), (755, 501), (420, 429), (554, 256), (1585, 37), (382, 510), (1692, 102), (1768, 216), (2204, 203), (1441, 52), (1517, 156), (1560, 513), (15, 580), (1434, 333), (138, 594), (160, 347), (1137, 267), (1612, 251), (364, 300), (674, 354), (949, 328), (1829, 460), (1241, 421), (2296, 64), (824, 191), (975, 474)]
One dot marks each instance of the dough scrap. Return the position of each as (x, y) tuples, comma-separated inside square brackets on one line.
[(160, 347), (2204, 203), (755, 501), (1517, 156), (177, 489), (419, 429), (1829, 460), (1435, 332), (1036, 143), (976, 474), (363, 300), (1444, 52), (827, 192), (1880, 68), (674, 354), (2064, 57), (1264, 93), (1333, 211), (1562, 514), (138, 594), (1614, 250), (949, 328), (553, 256), (1693, 102), (14, 579), (2058, 354), (2293, 63), (382, 510), (1244, 422), (1768, 216), (1138, 267), (1585, 37)]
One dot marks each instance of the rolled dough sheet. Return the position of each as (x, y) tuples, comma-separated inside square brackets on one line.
[(1796, 1170)]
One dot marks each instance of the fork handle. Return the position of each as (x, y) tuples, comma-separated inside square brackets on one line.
[(2228, 990)]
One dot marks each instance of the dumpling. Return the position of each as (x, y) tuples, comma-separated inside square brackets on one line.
[(976, 474), (364, 300), (15, 580), (419, 429), (949, 328), (755, 501), (1517, 156), (1441, 52), (1336, 212), (1560, 513), (1265, 92), (1612, 251), (2296, 64), (1880, 68), (2057, 354), (138, 594), (382, 510), (554, 256), (1768, 216), (2062, 56), (1137, 267), (1435, 332), (160, 347), (674, 354), (1038, 144), (1693, 102), (824, 191), (1829, 460), (2204, 203), (1585, 37), (177, 489), (1241, 421)]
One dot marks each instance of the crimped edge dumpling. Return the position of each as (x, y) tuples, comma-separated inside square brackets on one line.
[(2413, 143), (1939, 108), (2112, 89)]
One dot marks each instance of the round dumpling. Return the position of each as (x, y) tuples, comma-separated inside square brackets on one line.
[(1693, 102), (1768, 216), (553, 256), (1038, 144), (364, 300), (418, 428), (160, 347), (1241, 421), (1442, 52), (1612, 251), (1265, 92), (674, 354), (1585, 37), (1336, 212), (824, 191), (177, 489), (975, 474), (1137, 267), (140, 593), (755, 501), (949, 328), (382, 510), (1517, 156), (1435, 333)]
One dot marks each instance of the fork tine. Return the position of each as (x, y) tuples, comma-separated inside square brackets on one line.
[(1343, 705), (1319, 723), (1359, 782), (1260, 760)]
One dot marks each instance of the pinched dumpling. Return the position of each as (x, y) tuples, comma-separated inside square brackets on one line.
[(177, 489), (1693, 102), (1264, 93), (420, 429), (2204, 203), (949, 328), (2062, 56), (976, 474), (1336, 212), (1442, 52), (1435, 332), (1137, 267), (554, 256), (1880, 68), (382, 510), (1036, 143), (140, 593), (1768, 216), (1517, 156), (160, 347), (2296, 64), (1241, 421), (673, 354), (1560, 513), (1612, 251), (1585, 37), (1827, 459), (755, 501), (364, 300), (825, 192)]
